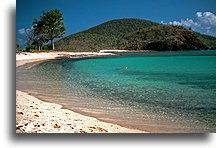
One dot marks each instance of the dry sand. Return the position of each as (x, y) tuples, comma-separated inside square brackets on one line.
[(36, 116), (23, 58)]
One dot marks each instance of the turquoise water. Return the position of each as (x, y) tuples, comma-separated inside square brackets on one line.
[(157, 93)]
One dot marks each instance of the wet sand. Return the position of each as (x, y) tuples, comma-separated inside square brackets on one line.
[(36, 116)]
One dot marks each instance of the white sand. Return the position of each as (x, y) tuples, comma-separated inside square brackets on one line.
[(23, 58), (36, 116)]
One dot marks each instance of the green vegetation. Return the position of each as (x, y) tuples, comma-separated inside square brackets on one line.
[(162, 38), (103, 36), (209, 41), (135, 34), (85, 42), (49, 27), (118, 28)]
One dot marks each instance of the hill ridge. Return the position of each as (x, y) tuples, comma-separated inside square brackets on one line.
[(107, 35)]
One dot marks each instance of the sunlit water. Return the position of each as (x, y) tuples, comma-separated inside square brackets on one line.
[(155, 93)]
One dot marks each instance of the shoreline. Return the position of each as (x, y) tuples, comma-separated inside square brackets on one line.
[(36, 116)]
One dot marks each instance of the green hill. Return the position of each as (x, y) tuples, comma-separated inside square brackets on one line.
[(208, 40), (118, 28), (162, 38), (108, 35), (103, 36)]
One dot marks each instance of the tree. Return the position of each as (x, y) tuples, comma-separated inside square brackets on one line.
[(29, 38), (17, 47), (51, 25), (39, 34)]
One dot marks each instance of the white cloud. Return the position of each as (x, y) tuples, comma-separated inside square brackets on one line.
[(204, 22), (186, 23), (21, 31), (24, 31), (199, 14), (206, 18), (162, 22)]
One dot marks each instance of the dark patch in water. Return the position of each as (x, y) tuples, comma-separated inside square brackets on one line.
[(193, 80)]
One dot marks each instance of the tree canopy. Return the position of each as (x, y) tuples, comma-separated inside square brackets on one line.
[(48, 27)]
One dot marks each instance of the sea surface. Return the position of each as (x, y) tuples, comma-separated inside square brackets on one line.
[(155, 91)]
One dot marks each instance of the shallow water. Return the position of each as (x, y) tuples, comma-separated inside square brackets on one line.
[(158, 92)]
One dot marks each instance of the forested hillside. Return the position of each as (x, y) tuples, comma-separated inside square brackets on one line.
[(103, 36), (209, 41), (113, 34), (162, 38)]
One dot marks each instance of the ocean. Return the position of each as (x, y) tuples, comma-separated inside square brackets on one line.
[(160, 92)]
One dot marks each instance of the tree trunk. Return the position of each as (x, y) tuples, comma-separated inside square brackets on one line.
[(53, 46), (39, 47)]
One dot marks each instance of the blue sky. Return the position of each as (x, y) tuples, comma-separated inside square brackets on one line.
[(83, 14)]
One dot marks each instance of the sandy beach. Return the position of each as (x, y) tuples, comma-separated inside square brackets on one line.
[(36, 116)]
